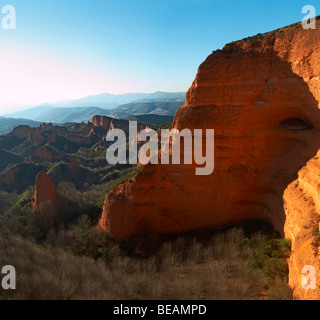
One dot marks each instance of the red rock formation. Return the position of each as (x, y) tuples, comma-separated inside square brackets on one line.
[(119, 124), (261, 95), (88, 129), (37, 137), (47, 126), (101, 121), (52, 138), (78, 139), (111, 127), (110, 123), (44, 190), (301, 203), (21, 132), (48, 154), (44, 154)]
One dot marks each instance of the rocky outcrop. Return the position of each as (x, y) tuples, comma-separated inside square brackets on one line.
[(47, 154), (37, 137), (78, 139), (302, 207), (17, 178), (47, 126), (15, 137), (21, 132), (110, 123), (101, 121), (261, 96), (88, 129), (45, 190), (52, 138)]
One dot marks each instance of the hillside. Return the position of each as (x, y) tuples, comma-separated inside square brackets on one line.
[(110, 101), (7, 157), (61, 115), (74, 114), (151, 119), (162, 108), (8, 124), (73, 153), (30, 113)]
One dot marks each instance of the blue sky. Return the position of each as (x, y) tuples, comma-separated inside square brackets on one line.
[(65, 49)]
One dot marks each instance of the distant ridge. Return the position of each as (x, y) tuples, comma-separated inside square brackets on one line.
[(82, 110), (8, 124), (104, 101)]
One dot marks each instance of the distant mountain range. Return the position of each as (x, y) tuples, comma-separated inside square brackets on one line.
[(111, 101), (151, 119), (67, 115), (161, 108), (118, 106), (8, 124)]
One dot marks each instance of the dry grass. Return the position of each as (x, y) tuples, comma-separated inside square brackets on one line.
[(179, 270)]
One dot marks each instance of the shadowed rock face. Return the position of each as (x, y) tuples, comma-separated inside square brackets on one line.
[(261, 95)]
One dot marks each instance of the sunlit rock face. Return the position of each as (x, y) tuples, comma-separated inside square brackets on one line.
[(261, 96), (101, 121)]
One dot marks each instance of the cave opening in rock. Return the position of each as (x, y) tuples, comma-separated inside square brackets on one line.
[(296, 124)]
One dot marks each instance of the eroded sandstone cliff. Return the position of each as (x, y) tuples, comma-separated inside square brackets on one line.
[(45, 190), (261, 96)]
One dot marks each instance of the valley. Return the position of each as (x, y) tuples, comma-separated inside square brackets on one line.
[(84, 216)]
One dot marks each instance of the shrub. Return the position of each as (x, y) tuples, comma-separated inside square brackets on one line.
[(270, 255), (80, 261)]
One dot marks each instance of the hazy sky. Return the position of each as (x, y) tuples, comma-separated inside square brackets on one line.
[(66, 49)]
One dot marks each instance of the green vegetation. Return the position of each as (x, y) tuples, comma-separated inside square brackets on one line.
[(268, 255), (95, 152), (24, 200), (118, 177), (24, 149)]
